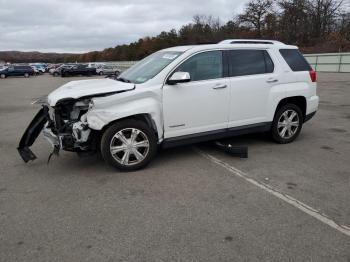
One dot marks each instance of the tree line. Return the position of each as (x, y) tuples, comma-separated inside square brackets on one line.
[(313, 25)]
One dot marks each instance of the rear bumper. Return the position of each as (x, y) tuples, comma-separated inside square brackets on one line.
[(312, 104), (311, 107), (309, 116)]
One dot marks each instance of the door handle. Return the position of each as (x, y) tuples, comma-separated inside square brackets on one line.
[(272, 80), (220, 86)]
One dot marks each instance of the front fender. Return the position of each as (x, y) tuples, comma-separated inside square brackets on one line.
[(112, 108)]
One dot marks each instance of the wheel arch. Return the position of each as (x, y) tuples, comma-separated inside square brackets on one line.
[(146, 118), (299, 101)]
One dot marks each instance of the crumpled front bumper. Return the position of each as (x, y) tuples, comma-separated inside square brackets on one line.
[(32, 132)]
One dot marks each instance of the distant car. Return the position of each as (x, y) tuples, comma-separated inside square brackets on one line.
[(36, 70), (51, 68), (96, 64), (78, 70), (57, 71), (40, 68), (108, 70), (22, 70)]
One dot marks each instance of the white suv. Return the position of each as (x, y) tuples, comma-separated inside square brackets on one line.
[(180, 95)]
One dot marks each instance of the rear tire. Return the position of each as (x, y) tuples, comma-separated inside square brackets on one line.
[(128, 145), (2, 76), (101, 73), (287, 124), (26, 75)]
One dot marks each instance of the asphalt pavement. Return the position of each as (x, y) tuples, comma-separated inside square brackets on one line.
[(192, 203)]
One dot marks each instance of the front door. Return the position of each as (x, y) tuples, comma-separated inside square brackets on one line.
[(200, 105)]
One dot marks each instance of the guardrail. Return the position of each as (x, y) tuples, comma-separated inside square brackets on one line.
[(329, 62), (122, 65)]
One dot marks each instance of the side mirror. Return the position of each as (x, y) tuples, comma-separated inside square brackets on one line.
[(179, 77)]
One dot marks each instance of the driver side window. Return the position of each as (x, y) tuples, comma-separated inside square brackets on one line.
[(203, 66)]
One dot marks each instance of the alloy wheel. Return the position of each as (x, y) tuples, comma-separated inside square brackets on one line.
[(129, 146), (288, 124)]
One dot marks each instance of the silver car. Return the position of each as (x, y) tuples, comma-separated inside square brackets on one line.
[(108, 70)]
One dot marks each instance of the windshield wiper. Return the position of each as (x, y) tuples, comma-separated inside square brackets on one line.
[(123, 80)]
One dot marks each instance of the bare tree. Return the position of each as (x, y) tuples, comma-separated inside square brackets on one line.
[(344, 25), (255, 14), (294, 24), (323, 14)]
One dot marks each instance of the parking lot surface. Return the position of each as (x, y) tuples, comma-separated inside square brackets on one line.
[(192, 203)]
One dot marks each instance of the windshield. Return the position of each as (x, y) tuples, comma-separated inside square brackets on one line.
[(149, 67)]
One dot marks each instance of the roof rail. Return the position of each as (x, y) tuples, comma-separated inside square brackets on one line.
[(251, 41)]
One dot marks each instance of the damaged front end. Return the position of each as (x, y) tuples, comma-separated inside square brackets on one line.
[(64, 126), (63, 116)]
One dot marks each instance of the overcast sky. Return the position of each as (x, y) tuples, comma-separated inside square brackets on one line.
[(86, 25)]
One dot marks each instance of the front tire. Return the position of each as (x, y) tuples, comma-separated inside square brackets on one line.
[(26, 75), (2, 76), (287, 124), (128, 145), (101, 73)]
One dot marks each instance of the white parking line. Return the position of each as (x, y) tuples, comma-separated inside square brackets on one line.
[(286, 198)]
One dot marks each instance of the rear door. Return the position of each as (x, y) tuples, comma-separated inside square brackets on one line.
[(27, 69), (200, 105), (75, 70), (83, 70), (251, 78), (18, 71), (108, 70)]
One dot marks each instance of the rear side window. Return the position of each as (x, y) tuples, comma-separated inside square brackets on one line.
[(249, 62), (295, 60), (22, 67), (203, 66)]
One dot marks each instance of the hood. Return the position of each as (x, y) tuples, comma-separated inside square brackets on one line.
[(81, 88)]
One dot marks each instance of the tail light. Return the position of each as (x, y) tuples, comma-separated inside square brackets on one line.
[(313, 75)]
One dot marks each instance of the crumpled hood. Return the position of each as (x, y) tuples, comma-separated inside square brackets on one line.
[(81, 88)]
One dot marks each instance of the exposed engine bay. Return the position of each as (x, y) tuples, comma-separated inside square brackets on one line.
[(68, 123), (64, 126)]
